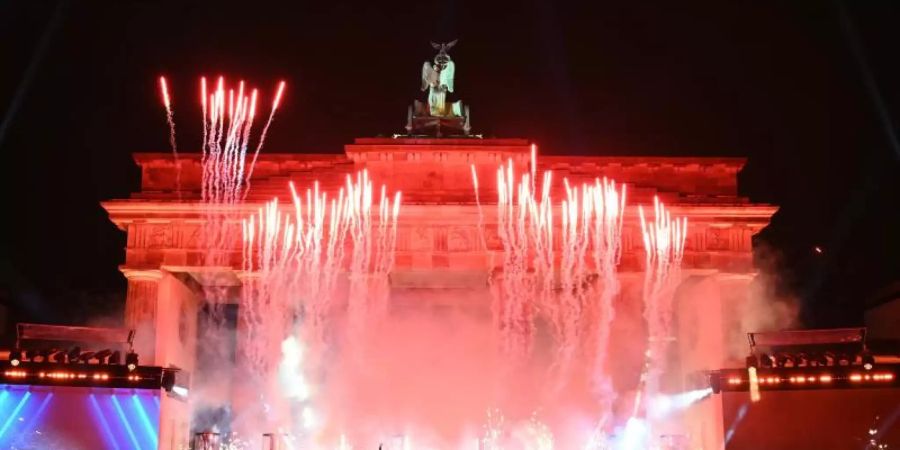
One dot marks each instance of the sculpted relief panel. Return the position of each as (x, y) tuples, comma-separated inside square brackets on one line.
[(159, 236), (459, 239), (181, 243)]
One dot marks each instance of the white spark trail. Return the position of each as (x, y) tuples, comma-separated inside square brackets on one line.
[(664, 240), (170, 119)]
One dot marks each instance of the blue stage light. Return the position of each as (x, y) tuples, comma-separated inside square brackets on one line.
[(15, 413), (145, 420), (110, 437), (125, 424)]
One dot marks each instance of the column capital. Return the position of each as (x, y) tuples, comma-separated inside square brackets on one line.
[(244, 275), (141, 274), (740, 277)]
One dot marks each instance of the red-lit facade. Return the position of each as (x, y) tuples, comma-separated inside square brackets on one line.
[(438, 245)]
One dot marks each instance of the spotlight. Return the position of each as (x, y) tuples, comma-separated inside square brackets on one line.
[(765, 360), (86, 357), (131, 360), (115, 358), (868, 361), (818, 359), (59, 356), (752, 361), (15, 357), (183, 392), (168, 380), (781, 360), (102, 355), (44, 355), (843, 359), (73, 354)]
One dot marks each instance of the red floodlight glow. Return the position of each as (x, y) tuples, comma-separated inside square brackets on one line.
[(60, 375), (145, 377), (839, 378)]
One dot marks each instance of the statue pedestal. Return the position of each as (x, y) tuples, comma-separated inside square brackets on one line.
[(420, 123)]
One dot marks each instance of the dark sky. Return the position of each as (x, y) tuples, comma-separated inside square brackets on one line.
[(809, 91)]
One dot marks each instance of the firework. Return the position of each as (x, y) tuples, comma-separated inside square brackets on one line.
[(228, 116), (265, 131), (664, 239), (293, 259), (170, 119)]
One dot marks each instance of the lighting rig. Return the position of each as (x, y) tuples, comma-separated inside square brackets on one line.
[(58, 365), (808, 359)]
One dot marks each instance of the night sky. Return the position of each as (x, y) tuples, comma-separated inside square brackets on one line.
[(809, 91)]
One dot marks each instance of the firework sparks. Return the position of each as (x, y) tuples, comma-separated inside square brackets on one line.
[(170, 118), (228, 116), (589, 248), (478, 205), (302, 250), (570, 281), (493, 431), (265, 130), (664, 240)]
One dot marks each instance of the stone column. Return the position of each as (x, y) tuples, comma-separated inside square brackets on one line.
[(700, 342), (710, 337), (142, 310), (740, 315)]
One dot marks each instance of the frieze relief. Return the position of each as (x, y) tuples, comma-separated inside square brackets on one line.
[(145, 239), (459, 239), (421, 239), (720, 238), (159, 236), (193, 235)]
